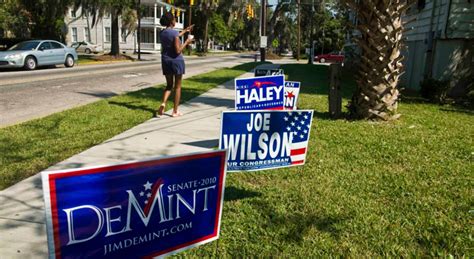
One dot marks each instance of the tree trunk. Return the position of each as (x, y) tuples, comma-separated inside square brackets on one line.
[(115, 48), (380, 68), (206, 36)]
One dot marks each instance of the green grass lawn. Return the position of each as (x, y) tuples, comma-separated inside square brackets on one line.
[(31, 147), (368, 189)]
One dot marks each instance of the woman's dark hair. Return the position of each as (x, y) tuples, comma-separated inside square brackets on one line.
[(166, 19)]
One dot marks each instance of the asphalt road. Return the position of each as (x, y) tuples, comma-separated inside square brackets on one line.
[(26, 95)]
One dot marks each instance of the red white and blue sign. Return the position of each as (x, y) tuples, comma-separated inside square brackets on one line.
[(259, 140), (135, 210), (292, 91), (260, 93)]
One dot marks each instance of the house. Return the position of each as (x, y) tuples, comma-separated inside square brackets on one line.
[(80, 28), (439, 42)]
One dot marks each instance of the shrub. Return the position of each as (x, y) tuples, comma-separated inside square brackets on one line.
[(435, 90)]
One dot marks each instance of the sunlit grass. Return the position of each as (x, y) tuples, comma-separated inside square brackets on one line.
[(33, 146)]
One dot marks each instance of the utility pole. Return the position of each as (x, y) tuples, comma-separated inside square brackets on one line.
[(189, 24), (263, 22), (139, 17), (299, 31)]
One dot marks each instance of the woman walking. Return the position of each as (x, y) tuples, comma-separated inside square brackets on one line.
[(172, 61)]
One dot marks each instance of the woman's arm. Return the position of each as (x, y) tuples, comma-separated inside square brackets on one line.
[(188, 29), (180, 47)]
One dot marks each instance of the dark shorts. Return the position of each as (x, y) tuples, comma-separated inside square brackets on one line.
[(173, 66)]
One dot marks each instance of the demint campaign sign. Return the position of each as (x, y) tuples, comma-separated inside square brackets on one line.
[(259, 140), (260, 93), (135, 210), (292, 90)]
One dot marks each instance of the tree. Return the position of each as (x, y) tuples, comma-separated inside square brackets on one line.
[(380, 25), (15, 19), (116, 8), (207, 7), (46, 17)]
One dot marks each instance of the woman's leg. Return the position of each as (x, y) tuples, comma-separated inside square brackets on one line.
[(166, 93), (177, 95), (169, 87)]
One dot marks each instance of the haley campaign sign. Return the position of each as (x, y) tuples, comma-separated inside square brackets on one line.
[(135, 210), (260, 93), (292, 90), (259, 140)]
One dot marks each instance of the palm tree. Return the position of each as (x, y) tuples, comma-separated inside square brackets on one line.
[(380, 68)]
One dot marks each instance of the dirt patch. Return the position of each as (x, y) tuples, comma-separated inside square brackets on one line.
[(112, 58), (273, 56)]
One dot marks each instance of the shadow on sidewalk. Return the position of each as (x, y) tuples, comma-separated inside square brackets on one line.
[(211, 143)]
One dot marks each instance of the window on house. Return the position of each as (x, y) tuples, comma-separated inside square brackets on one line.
[(124, 35), (87, 35), (108, 37), (73, 13), (74, 34)]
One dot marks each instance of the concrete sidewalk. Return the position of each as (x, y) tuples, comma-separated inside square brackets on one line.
[(22, 219)]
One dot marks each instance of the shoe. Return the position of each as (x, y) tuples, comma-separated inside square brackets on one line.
[(161, 110), (176, 114)]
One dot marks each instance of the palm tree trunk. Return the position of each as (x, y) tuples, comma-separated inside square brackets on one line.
[(380, 68), (115, 48)]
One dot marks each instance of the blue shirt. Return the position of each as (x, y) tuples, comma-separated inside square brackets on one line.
[(168, 50)]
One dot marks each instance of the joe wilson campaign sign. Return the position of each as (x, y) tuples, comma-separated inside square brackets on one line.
[(260, 93), (259, 140), (135, 210), (292, 90)]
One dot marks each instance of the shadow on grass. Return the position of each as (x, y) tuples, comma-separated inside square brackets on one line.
[(315, 79), (297, 225), (101, 95), (233, 193)]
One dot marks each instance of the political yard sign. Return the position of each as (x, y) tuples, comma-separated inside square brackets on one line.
[(259, 140), (260, 93), (292, 90), (135, 210)]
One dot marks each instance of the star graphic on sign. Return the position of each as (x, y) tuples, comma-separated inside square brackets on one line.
[(290, 95), (295, 133), (289, 113), (288, 128), (305, 131), (296, 118), (299, 113), (286, 118), (306, 117), (142, 193), (147, 185), (301, 136), (302, 122), (148, 195), (146, 202), (299, 128)]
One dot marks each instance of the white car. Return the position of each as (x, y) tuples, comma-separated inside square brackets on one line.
[(35, 53), (86, 47)]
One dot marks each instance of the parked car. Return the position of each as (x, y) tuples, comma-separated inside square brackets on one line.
[(86, 47), (336, 57), (35, 53)]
